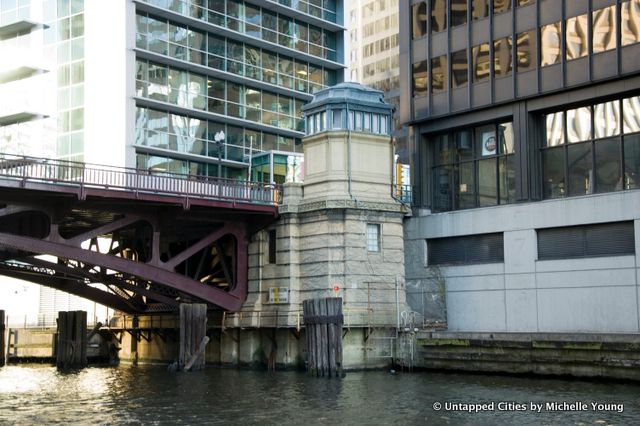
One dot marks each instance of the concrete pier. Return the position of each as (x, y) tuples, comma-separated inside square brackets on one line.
[(593, 355)]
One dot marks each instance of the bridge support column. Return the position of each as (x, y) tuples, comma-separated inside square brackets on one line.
[(193, 336), (71, 344), (2, 338)]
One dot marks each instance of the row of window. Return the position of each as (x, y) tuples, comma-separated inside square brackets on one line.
[(380, 46), (380, 25), (482, 61), (175, 132), (583, 35), (595, 148), (371, 8), (325, 9), (165, 164), (382, 67), (359, 121), (191, 90), (178, 42), (260, 23), (199, 9), (13, 11), (473, 167), (583, 241), (443, 13)]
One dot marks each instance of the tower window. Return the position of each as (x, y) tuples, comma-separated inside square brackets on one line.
[(373, 237)]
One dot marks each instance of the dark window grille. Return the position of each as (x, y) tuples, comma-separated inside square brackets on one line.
[(608, 239), (485, 248)]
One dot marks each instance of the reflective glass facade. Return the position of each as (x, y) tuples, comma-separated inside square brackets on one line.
[(232, 70), (555, 82)]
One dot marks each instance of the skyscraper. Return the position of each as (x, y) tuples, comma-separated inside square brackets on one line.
[(525, 132), (185, 86), (373, 55)]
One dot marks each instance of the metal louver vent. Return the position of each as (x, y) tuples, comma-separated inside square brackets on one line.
[(483, 248), (607, 239)]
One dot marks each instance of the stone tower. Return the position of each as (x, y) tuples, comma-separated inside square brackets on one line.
[(340, 233)]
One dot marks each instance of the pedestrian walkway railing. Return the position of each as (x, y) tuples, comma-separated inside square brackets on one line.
[(85, 175)]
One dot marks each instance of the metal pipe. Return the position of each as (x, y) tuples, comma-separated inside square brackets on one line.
[(349, 153), (397, 307)]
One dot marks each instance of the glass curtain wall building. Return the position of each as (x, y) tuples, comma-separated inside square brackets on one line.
[(237, 69), (172, 76)]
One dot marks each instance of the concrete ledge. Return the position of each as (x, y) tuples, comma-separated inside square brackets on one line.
[(612, 356)]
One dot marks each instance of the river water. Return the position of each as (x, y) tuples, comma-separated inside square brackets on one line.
[(146, 395)]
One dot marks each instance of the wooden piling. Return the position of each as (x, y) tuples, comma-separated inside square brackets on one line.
[(193, 339), (323, 322), (71, 343), (2, 338)]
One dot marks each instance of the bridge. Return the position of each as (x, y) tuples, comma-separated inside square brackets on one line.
[(136, 241)]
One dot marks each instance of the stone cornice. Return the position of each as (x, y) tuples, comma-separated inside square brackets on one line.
[(343, 204)]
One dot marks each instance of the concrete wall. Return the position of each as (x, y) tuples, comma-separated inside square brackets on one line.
[(524, 294)]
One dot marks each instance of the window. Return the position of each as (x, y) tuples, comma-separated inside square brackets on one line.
[(604, 29), (272, 246), (502, 57), (471, 249), (458, 12), (630, 11), (550, 44), (459, 69), (526, 51), (480, 9), (438, 15), (419, 19), (420, 78), (607, 239), (439, 73), (373, 237), (577, 37), (592, 149), (500, 6), (481, 62), (473, 167)]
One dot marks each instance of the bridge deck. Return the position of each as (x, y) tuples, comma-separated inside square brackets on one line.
[(118, 182)]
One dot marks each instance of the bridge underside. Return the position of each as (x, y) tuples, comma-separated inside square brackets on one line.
[(135, 255)]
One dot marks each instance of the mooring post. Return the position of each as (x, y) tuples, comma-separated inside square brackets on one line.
[(323, 329), (193, 336), (71, 347), (135, 325), (2, 338)]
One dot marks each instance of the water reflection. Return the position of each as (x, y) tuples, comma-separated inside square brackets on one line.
[(151, 395)]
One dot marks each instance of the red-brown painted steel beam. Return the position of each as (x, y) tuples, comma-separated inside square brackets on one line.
[(72, 287), (231, 300)]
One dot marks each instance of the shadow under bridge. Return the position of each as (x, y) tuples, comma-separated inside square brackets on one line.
[(130, 240)]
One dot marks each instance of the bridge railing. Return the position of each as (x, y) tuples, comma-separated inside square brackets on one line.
[(61, 172)]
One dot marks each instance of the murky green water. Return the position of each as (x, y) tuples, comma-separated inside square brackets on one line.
[(151, 395)]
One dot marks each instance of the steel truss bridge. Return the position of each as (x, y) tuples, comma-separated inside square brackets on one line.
[(136, 241)]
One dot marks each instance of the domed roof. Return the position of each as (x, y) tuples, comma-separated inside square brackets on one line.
[(351, 93)]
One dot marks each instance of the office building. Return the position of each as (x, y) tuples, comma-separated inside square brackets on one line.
[(183, 86), (525, 138), (373, 59)]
